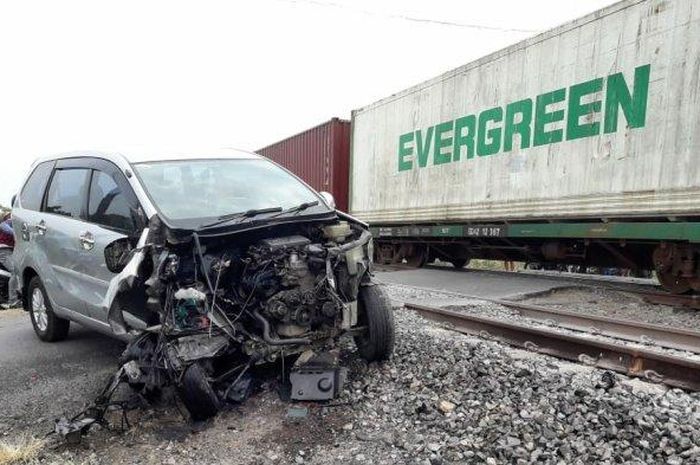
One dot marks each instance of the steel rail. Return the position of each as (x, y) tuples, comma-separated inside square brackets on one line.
[(671, 370)]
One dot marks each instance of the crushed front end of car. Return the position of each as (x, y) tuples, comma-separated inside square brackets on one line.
[(204, 307)]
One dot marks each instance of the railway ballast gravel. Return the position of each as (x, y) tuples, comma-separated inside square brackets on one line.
[(447, 398)]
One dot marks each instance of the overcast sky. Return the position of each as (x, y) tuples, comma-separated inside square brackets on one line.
[(122, 75)]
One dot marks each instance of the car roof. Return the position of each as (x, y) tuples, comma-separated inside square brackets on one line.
[(133, 157)]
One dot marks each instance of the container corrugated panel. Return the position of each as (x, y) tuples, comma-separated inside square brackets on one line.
[(610, 113), (320, 156)]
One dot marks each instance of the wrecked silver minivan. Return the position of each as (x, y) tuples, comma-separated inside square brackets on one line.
[(208, 266)]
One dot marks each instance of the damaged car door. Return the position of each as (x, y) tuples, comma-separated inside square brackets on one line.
[(59, 226), (114, 221)]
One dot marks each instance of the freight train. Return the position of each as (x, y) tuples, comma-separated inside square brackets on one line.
[(575, 146)]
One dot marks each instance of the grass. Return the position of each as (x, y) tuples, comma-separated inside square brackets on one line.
[(23, 450)]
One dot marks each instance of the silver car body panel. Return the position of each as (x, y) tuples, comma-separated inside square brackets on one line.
[(114, 317), (79, 285), (77, 280)]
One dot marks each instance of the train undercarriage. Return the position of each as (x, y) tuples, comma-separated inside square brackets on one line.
[(675, 264)]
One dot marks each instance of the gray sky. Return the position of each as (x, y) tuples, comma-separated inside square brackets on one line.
[(92, 74)]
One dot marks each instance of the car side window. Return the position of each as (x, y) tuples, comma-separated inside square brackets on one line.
[(107, 204), (33, 191), (67, 191)]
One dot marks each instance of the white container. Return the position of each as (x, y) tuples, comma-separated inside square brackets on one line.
[(651, 170)]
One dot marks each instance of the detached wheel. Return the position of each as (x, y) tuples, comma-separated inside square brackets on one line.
[(374, 309), (47, 325), (197, 394)]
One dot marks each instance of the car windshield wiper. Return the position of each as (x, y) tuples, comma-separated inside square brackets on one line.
[(246, 214), (297, 209)]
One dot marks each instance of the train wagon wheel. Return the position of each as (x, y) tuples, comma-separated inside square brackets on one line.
[(694, 284), (673, 283), (384, 254), (415, 256), (459, 262)]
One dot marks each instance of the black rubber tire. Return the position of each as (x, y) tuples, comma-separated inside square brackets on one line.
[(56, 328), (197, 394), (459, 262), (374, 308)]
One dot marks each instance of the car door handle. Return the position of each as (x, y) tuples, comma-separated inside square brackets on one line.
[(87, 240), (41, 227)]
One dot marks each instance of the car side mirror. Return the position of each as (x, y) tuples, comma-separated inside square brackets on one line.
[(328, 198), (117, 254), (12, 202)]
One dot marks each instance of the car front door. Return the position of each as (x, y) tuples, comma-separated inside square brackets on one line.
[(59, 226), (114, 222)]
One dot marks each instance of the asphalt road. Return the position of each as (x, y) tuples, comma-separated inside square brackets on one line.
[(472, 282), (41, 381)]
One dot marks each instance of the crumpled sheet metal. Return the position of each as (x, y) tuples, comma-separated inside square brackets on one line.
[(72, 431), (198, 346), (121, 282)]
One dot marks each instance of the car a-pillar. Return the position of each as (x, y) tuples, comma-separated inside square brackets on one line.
[(677, 267)]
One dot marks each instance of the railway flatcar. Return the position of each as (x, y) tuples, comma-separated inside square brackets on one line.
[(575, 146)]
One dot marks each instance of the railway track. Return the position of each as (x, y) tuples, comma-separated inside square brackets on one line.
[(614, 353), (650, 293), (662, 297)]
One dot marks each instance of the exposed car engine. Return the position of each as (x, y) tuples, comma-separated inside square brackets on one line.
[(219, 305)]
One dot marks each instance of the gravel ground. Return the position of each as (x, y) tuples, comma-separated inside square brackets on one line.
[(443, 398), (588, 300), (616, 304), (401, 293)]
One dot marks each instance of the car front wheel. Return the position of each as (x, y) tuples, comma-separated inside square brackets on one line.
[(47, 326), (377, 342), (197, 393)]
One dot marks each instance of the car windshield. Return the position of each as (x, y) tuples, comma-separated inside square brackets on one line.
[(195, 189)]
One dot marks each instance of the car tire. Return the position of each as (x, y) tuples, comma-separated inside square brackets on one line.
[(47, 326), (197, 394), (374, 308)]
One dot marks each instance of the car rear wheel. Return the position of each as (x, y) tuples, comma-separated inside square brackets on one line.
[(377, 343), (47, 326)]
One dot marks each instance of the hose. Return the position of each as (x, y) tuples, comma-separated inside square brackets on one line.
[(198, 247), (364, 238), (274, 341)]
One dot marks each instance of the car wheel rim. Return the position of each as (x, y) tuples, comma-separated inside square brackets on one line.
[(41, 318)]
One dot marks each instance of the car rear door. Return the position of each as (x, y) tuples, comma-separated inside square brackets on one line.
[(114, 223), (29, 252)]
